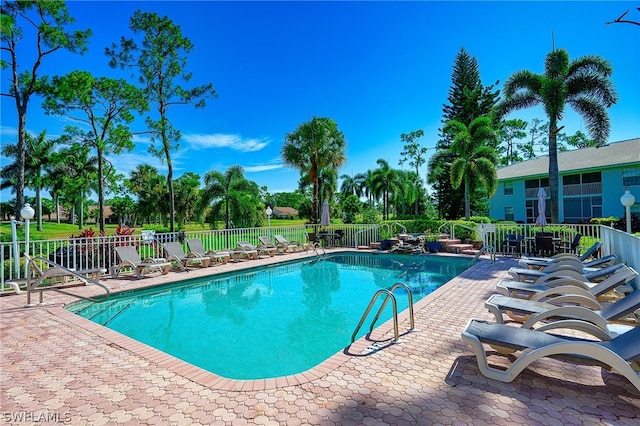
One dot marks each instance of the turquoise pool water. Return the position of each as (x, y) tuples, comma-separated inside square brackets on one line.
[(272, 321)]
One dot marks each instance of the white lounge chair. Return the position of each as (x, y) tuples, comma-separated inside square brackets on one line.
[(197, 249), (291, 245), (244, 250), (130, 260), (555, 284), (621, 354), (532, 312), (583, 257), (175, 253), (266, 243), (247, 246)]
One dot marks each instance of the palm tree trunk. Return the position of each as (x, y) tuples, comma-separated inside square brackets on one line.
[(467, 201), (21, 159), (81, 213), (39, 207), (100, 191), (554, 179)]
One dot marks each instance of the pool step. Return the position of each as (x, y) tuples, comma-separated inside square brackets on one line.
[(457, 248)]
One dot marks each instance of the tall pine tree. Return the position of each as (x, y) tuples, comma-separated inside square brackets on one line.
[(467, 100)]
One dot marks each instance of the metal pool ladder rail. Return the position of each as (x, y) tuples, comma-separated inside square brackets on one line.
[(389, 294), (36, 284)]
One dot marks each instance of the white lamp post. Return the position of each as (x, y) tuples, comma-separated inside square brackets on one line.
[(27, 214), (627, 201), (16, 251), (268, 211)]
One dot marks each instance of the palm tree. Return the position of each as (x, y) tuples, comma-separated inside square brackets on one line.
[(475, 156), (151, 190), (328, 182), (350, 185), (38, 166), (385, 183), (366, 182), (80, 172), (228, 187), (314, 146), (584, 84), (409, 187), (187, 194)]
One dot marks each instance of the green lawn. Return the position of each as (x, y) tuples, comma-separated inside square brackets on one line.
[(53, 231)]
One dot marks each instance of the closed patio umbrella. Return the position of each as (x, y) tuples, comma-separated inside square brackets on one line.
[(324, 218), (541, 220)]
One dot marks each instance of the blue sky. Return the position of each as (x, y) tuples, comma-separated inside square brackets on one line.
[(378, 69)]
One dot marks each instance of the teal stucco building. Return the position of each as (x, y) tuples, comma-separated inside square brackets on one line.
[(592, 180)]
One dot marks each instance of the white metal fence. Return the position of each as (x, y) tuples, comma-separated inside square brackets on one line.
[(97, 252)]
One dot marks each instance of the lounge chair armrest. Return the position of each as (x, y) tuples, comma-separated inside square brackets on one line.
[(571, 276), (570, 312), (562, 289), (586, 302), (580, 325), (154, 260)]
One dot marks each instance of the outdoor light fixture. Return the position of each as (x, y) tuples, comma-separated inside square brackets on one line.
[(268, 211), (627, 201)]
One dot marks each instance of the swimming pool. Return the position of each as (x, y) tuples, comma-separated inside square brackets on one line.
[(272, 321)]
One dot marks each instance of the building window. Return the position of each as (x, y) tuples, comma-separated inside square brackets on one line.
[(536, 183), (631, 177), (571, 180), (594, 177), (581, 209), (508, 188), (531, 207), (508, 213)]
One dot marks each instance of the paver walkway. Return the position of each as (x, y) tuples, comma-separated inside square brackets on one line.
[(58, 367)]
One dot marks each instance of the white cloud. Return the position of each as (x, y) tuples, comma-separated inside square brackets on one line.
[(235, 142), (127, 162), (8, 131), (262, 168)]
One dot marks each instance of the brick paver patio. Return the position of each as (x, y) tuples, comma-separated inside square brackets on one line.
[(57, 367)]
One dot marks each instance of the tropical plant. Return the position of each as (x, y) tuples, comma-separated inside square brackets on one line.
[(350, 206), (38, 167), (467, 99), (366, 183), (315, 146), (475, 157), (102, 105), (228, 192), (187, 193), (584, 84), (123, 208), (385, 182), (48, 21), (350, 185), (409, 191), (151, 190), (510, 132), (414, 153), (161, 60)]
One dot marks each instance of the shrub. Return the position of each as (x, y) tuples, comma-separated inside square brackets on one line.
[(480, 219), (158, 228)]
